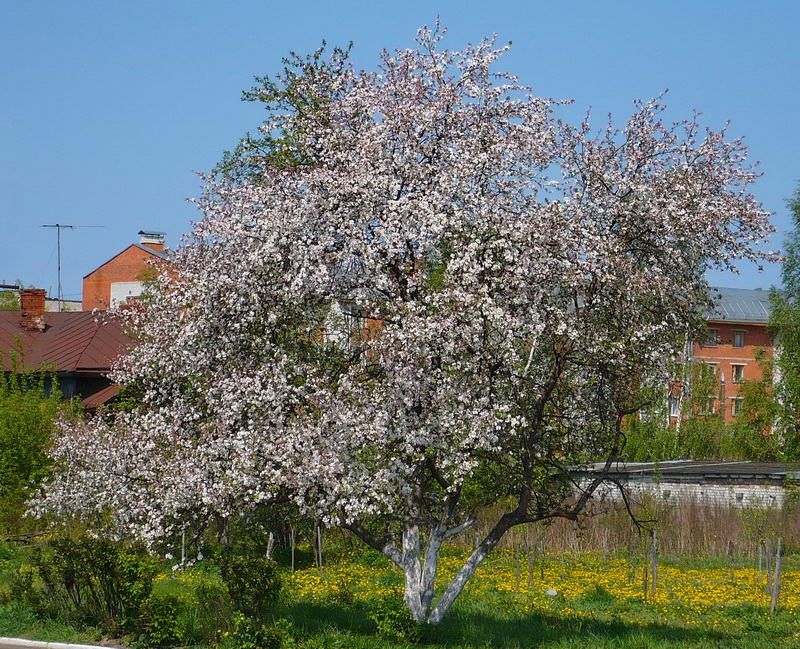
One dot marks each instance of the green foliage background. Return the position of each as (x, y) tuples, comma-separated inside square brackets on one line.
[(30, 402), (703, 435)]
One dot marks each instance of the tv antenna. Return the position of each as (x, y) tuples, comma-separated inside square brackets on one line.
[(59, 227)]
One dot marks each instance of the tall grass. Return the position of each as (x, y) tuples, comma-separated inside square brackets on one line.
[(688, 528)]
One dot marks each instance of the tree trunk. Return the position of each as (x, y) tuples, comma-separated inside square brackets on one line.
[(420, 581), (437, 536), (412, 568), (455, 587)]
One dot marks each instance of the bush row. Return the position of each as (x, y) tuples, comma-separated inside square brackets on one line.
[(231, 602)]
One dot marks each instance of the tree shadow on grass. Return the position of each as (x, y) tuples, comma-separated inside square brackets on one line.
[(317, 617), (466, 628), (538, 629)]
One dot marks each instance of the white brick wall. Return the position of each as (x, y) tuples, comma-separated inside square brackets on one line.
[(743, 495)]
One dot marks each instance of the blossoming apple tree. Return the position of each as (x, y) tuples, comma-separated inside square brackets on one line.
[(523, 278)]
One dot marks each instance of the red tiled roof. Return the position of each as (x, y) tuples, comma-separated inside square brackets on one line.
[(71, 342), (101, 397)]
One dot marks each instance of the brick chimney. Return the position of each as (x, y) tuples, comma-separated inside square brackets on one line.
[(151, 239), (31, 304)]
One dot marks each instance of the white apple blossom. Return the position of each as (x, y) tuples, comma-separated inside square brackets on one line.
[(520, 276)]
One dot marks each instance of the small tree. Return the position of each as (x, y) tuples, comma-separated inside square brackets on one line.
[(9, 299), (523, 276), (784, 325), (30, 402)]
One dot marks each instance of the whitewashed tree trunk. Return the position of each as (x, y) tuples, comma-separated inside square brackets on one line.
[(428, 584), (412, 568), (455, 587), (420, 578)]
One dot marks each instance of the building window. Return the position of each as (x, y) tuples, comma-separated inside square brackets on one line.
[(711, 339), (738, 338), (737, 373), (710, 370), (736, 406), (674, 406), (709, 406)]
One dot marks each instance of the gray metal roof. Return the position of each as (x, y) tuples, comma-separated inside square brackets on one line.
[(701, 468), (740, 305), (161, 255)]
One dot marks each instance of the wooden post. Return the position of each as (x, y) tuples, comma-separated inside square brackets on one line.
[(319, 543), (776, 580), (292, 543), (530, 550), (768, 562), (653, 562), (759, 560), (541, 558)]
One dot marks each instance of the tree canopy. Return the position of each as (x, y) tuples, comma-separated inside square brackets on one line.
[(785, 327), (526, 278)]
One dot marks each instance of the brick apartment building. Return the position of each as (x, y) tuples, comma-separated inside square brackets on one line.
[(737, 330), (122, 276)]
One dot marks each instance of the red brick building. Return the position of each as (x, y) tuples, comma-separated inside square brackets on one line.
[(122, 276), (737, 330)]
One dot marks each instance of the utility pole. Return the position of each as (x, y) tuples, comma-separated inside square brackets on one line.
[(59, 227)]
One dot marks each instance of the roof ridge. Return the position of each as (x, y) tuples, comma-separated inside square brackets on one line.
[(97, 325), (155, 253)]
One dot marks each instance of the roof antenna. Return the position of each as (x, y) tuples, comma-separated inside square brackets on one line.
[(59, 227)]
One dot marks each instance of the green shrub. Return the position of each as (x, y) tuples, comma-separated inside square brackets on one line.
[(87, 580), (212, 612), (158, 624), (251, 634), (393, 621), (29, 404), (8, 551), (21, 588), (253, 583)]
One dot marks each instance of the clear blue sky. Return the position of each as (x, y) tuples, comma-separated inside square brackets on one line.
[(108, 108)]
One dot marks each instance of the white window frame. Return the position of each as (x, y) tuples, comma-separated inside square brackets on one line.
[(674, 406), (711, 401), (740, 378), (736, 406)]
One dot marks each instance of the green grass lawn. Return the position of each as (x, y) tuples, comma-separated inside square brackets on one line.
[(486, 615), (471, 626), (490, 624)]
